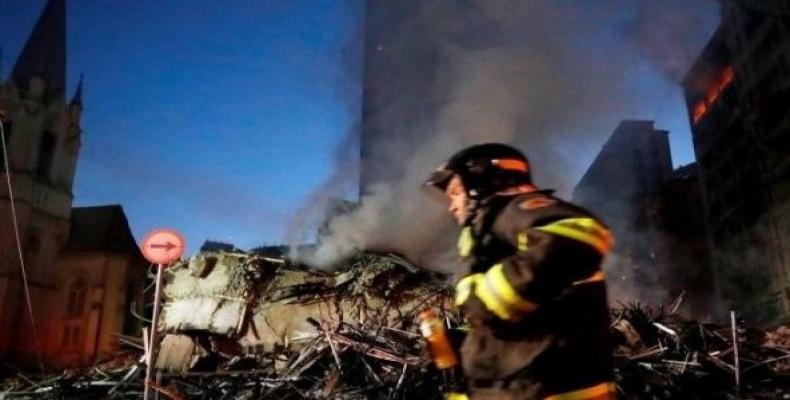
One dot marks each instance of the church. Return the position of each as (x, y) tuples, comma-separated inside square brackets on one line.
[(76, 271)]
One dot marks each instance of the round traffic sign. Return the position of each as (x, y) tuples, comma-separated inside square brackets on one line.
[(163, 246)]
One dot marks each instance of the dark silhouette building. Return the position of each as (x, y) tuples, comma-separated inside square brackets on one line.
[(676, 214), (628, 173), (82, 267), (400, 66), (737, 94), (656, 214)]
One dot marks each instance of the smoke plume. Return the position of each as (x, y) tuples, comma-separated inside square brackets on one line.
[(440, 75), (679, 29)]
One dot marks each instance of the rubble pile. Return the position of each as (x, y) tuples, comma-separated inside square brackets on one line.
[(246, 326), (242, 326), (659, 355)]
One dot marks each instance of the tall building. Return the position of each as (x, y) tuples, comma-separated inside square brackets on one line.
[(400, 67), (629, 171), (661, 252), (737, 94), (75, 284), (676, 215), (43, 140), (407, 51)]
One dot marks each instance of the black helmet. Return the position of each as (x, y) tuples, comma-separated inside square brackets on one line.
[(485, 169)]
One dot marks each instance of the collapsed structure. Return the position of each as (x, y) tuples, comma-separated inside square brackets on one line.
[(251, 305), (238, 325)]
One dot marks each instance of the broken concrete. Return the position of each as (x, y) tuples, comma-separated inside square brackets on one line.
[(267, 305)]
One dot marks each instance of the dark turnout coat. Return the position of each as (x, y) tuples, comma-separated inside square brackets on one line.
[(532, 288)]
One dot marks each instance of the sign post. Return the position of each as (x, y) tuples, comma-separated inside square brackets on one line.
[(161, 247)]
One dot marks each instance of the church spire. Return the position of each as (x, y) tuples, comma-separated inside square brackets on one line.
[(77, 99), (44, 54)]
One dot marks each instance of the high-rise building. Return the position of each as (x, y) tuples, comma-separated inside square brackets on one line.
[(407, 63), (676, 215), (400, 67), (630, 170), (656, 214), (737, 94)]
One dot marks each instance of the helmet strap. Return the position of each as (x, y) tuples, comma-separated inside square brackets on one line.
[(471, 211)]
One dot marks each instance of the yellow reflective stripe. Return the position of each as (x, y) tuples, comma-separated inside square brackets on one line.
[(603, 391), (464, 328), (586, 230), (456, 396), (596, 277), (463, 289), (496, 275), (484, 292), (499, 297), (465, 242), (522, 241)]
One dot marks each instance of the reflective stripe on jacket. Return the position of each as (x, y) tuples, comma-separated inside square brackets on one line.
[(533, 290)]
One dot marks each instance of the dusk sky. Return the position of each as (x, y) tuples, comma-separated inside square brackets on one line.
[(217, 119)]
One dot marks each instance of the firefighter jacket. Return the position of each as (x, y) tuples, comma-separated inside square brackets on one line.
[(532, 288)]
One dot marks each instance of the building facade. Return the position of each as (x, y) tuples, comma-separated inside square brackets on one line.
[(737, 94), (661, 252), (676, 215), (630, 170), (43, 141), (101, 278), (78, 294)]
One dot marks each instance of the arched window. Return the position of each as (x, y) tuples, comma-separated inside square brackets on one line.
[(46, 155), (76, 301)]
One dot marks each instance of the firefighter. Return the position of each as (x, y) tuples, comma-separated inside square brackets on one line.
[(530, 282)]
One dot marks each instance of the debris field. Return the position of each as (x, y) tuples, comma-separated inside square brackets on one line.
[(245, 326)]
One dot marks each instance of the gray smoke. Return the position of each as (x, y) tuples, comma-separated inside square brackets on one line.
[(343, 178), (532, 74), (670, 33)]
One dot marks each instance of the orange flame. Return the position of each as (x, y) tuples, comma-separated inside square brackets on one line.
[(725, 79)]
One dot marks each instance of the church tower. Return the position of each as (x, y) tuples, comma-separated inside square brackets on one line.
[(42, 131)]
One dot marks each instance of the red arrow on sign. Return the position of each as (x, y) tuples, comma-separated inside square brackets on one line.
[(163, 246), (167, 246)]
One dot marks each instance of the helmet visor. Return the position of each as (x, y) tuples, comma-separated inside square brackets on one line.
[(439, 178)]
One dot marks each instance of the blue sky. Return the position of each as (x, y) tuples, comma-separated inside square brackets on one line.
[(218, 118), (213, 120)]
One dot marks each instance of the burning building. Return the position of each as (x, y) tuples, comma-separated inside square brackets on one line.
[(737, 93), (82, 266)]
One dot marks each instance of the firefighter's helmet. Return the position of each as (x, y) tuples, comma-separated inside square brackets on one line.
[(484, 169)]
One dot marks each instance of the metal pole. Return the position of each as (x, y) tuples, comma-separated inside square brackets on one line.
[(735, 350), (154, 325)]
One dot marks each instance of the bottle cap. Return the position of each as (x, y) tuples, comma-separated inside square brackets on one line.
[(427, 314)]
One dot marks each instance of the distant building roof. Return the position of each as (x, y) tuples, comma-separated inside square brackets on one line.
[(100, 228), (282, 251), (210, 245), (686, 171)]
